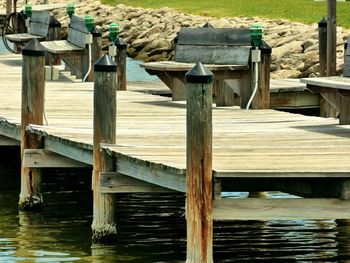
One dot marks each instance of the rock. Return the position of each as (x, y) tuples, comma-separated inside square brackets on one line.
[(150, 34)]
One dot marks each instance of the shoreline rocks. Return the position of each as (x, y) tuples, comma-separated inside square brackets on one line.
[(150, 35)]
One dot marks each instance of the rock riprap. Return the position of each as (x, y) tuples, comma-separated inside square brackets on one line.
[(150, 35)]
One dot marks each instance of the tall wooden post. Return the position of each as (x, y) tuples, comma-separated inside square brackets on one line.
[(105, 106), (33, 89), (120, 59), (331, 38), (262, 96), (8, 7), (199, 165), (54, 34), (322, 46), (96, 50)]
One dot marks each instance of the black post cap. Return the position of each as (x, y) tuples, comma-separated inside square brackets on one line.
[(265, 48), (207, 25), (34, 49), (54, 22), (96, 32), (323, 22), (199, 74), (105, 64), (120, 43)]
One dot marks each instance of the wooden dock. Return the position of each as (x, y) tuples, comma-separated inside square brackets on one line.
[(253, 150)]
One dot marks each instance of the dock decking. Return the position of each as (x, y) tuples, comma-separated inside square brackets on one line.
[(254, 150)]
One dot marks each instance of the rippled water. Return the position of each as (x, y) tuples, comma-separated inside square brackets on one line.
[(151, 228)]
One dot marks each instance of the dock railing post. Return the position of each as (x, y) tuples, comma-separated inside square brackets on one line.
[(120, 59), (33, 90), (104, 123), (322, 46), (262, 98), (331, 38), (54, 34), (96, 50), (199, 217)]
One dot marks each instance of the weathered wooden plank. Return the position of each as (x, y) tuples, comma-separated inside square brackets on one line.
[(61, 46), (42, 158), (212, 55), (77, 23), (6, 141), (280, 209), (71, 150), (42, 17), (23, 37), (119, 183), (152, 174), (215, 36), (39, 29), (77, 38), (336, 82)]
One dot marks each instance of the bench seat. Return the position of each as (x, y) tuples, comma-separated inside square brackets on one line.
[(61, 46), (23, 37)]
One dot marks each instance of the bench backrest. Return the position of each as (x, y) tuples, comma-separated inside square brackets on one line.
[(77, 32), (39, 23), (214, 46)]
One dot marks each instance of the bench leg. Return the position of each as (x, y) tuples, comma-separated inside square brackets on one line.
[(179, 89), (225, 95), (245, 85), (344, 113)]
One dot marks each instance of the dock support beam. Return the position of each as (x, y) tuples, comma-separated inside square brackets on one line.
[(33, 89), (199, 165), (105, 81)]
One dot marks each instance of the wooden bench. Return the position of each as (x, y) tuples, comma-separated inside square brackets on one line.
[(74, 51), (226, 52), (334, 91), (38, 28)]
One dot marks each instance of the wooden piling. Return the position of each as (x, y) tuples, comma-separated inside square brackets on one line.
[(199, 165), (262, 97), (8, 7), (54, 34), (331, 38), (33, 89), (96, 50), (120, 59), (322, 46), (104, 122)]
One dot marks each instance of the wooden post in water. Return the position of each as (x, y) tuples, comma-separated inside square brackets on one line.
[(262, 96), (322, 46), (331, 38), (33, 89), (96, 50), (199, 165), (105, 83), (120, 59)]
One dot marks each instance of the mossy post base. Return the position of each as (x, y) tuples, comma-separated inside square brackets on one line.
[(31, 203), (33, 89)]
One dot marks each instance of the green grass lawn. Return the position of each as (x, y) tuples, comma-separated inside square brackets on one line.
[(306, 11)]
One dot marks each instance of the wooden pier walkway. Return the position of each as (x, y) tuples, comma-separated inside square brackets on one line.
[(254, 150)]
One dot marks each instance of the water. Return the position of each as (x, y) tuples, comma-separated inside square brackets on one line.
[(152, 228)]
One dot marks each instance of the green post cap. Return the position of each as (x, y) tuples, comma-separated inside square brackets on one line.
[(113, 31), (70, 9), (90, 23), (28, 10), (256, 33)]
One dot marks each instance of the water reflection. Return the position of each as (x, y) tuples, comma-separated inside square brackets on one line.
[(151, 228)]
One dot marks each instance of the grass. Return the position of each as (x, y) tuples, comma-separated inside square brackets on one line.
[(306, 11)]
